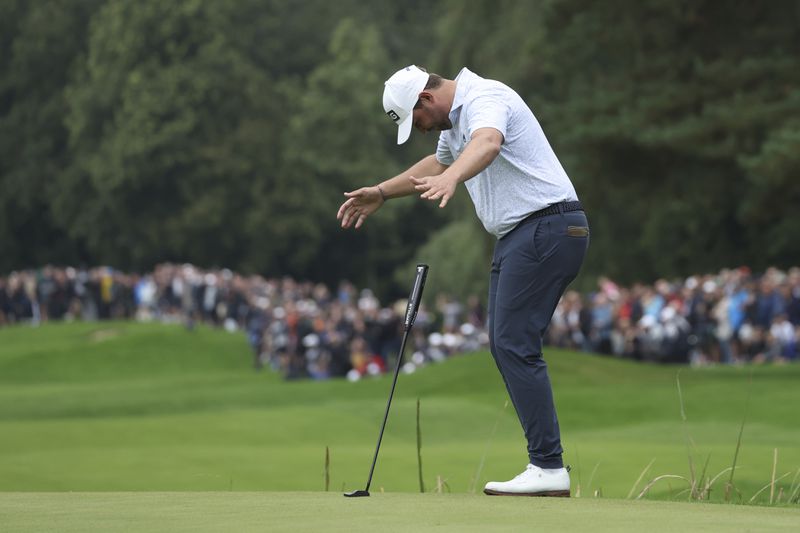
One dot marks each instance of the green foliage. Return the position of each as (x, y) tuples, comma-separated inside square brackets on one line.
[(40, 43), (161, 126), (324, 156), (340, 140), (344, 90), (495, 38), (461, 255), (688, 108)]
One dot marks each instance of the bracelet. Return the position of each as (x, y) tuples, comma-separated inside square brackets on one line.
[(383, 195)]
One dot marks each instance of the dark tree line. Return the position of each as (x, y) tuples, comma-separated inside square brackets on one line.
[(223, 133)]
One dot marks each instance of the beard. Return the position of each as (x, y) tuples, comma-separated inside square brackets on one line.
[(444, 124)]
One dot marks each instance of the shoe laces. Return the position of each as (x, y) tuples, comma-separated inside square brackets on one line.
[(529, 468)]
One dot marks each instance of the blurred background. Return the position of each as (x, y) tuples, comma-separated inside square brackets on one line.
[(138, 136)]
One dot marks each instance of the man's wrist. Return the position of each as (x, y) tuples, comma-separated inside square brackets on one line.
[(452, 177), (383, 194)]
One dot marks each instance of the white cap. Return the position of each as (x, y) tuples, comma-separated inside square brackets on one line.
[(400, 95)]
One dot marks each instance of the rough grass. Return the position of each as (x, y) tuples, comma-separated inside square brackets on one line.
[(135, 407)]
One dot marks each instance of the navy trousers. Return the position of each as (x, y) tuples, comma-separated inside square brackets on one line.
[(531, 268)]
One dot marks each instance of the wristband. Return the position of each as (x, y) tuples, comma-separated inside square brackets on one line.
[(380, 190)]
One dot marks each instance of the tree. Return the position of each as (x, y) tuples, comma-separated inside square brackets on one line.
[(41, 42), (684, 117), (341, 140)]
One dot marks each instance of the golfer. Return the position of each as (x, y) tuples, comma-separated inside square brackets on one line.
[(490, 141)]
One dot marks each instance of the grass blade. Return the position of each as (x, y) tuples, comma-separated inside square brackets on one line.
[(772, 485), (793, 490), (640, 478), (795, 496), (486, 449), (768, 485), (327, 469), (715, 478), (702, 495), (680, 395), (419, 452), (591, 477), (646, 489), (693, 482), (729, 486)]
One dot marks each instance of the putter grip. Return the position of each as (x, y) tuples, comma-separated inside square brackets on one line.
[(416, 296)]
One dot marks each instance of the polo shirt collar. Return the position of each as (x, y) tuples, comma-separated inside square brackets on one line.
[(462, 81)]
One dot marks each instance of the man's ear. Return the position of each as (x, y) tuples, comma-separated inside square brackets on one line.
[(426, 96)]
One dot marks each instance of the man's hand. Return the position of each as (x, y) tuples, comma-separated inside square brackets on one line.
[(484, 146), (359, 205), (435, 187)]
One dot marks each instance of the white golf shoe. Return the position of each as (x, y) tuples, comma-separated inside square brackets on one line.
[(534, 481)]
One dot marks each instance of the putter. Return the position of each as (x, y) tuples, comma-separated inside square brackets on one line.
[(411, 315)]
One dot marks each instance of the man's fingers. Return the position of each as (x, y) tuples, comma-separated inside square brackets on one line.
[(350, 215), (344, 207), (432, 194), (440, 194), (359, 204)]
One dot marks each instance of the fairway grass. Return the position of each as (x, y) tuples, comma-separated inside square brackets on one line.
[(300, 512), (117, 407)]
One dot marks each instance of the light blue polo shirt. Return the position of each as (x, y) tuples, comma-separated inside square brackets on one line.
[(526, 176)]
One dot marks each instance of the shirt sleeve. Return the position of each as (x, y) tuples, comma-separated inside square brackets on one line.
[(443, 153), (488, 111)]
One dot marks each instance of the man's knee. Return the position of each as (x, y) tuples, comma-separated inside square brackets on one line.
[(521, 344)]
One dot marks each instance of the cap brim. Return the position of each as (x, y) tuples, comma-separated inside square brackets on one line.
[(404, 129)]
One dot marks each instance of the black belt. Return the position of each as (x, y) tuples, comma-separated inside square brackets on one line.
[(563, 207)]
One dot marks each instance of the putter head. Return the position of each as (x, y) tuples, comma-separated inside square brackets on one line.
[(356, 494)]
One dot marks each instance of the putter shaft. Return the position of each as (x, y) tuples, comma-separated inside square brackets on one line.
[(411, 314), (388, 405)]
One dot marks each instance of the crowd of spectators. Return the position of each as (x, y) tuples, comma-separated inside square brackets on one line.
[(730, 317), (307, 330), (300, 329)]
